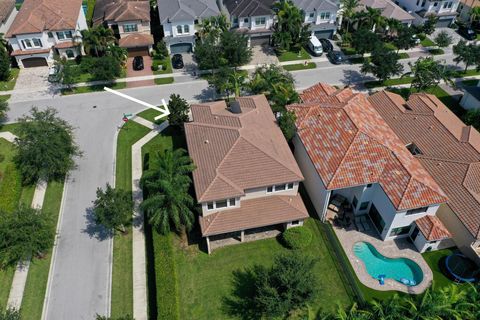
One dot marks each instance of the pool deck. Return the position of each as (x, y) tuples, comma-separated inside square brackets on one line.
[(398, 248)]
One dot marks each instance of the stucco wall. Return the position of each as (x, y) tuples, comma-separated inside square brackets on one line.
[(141, 27), (170, 29)]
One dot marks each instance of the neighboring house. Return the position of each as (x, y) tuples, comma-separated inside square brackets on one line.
[(450, 151), (346, 150), (8, 12), (130, 22), (389, 9), (465, 7), (253, 18), (43, 28), (246, 178), (180, 19), (471, 97), (321, 15), (446, 11)]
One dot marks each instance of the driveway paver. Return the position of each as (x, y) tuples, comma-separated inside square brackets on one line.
[(32, 84), (263, 55), (147, 71)]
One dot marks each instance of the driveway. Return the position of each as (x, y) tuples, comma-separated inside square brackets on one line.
[(190, 65), (451, 32), (147, 71), (263, 54), (32, 84)]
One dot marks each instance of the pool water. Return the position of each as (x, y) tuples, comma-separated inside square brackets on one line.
[(399, 269)]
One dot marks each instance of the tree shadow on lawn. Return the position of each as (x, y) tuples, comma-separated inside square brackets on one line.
[(93, 229), (352, 77)]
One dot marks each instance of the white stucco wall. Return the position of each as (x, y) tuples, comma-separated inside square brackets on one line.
[(170, 29), (82, 21)]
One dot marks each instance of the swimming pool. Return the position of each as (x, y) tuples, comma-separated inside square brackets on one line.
[(378, 266)]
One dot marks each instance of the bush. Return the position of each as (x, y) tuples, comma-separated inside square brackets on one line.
[(421, 36), (436, 51), (297, 237), (154, 66)]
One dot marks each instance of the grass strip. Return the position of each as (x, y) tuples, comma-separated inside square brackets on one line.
[(300, 66), (10, 84), (389, 82), (291, 56), (4, 97), (160, 81), (427, 42), (149, 114), (436, 52), (88, 89)]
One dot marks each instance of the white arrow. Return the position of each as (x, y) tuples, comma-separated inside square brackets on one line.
[(164, 112)]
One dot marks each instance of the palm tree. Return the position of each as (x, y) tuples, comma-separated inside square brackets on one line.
[(373, 18), (97, 40), (429, 306), (169, 203), (353, 313), (90, 41), (290, 20), (348, 8), (390, 309), (392, 25), (214, 26), (237, 79)]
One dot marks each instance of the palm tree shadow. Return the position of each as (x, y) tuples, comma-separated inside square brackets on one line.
[(240, 303), (93, 229)]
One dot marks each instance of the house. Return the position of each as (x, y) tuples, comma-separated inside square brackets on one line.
[(321, 15), (471, 97), (246, 178), (180, 19), (446, 11), (43, 28), (253, 18), (347, 151), (130, 22), (450, 151), (465, 7), (8, 12), (389, 10)]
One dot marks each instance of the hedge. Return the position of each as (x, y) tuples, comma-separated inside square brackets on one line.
[(297, 237), (10, 189)]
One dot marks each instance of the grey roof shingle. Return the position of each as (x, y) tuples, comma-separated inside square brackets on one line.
[(249, 8), (319, 5), (186, 10)]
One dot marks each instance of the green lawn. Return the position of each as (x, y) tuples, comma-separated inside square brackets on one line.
[(149, 114), (10, 84), (159, 81), (88, 89), (32, 303), (348, 51), (290, 56), (435, 260), (300, 66), (168, 63), (427, 42), (389, 82), (122, 281), (4, 97), (403, 55), (436, 52)]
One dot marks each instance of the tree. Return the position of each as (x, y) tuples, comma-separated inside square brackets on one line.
[(161, 51), (443, 39), (209, 54), (214, 26), (24, 233), (474, 15), (372, 18), (10, 314), (430, 24), (97, 40), (286, 122), (235, 49), (427, 73), (349, 7), (118, 53), (228, 80), (404, 39), (288, 285), (3, 111), (472, 118), (468, 54), (113, 208), (390, 309), (364, 41), (106, 68), (45, 146), (178, 110), (383, 63), (290, 33), (169, 204), (66, 72), (392, 26), (5, 70)]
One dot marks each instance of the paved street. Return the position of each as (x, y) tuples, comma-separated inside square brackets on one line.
[(80, 286)]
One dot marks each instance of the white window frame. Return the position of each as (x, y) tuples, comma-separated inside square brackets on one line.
[(62, 35), (30, 43), (186, 28), (179, 29), (325, 15), (285, 186), (130, 27), (212, 205), (264, 19)]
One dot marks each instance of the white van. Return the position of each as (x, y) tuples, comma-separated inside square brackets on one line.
[(315, 46)]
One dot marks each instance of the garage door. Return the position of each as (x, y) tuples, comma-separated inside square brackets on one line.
[(140, 51), (181, 48), (327, 34), (258, 41), (34, 62), (443, 23)]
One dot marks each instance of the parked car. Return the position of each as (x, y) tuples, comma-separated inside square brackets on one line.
[(54, 73), (326, 45), (315, 46), (138, 63), (467, 32), (177, 61), (416, 39), (335, 57)]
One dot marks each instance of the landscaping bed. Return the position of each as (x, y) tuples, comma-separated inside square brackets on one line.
[(10, 84), (290, 56), (300, 66), (166, 63)]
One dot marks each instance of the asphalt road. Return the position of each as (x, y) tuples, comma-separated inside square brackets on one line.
[(81, 272)]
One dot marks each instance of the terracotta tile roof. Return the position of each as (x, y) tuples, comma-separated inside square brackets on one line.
[(40, 15), (136, 40), (450, 149), (65, 44), (255, 213), (6, 7), (432, 228), (29, 52), (350, 145), (121, 10), (237, 151)]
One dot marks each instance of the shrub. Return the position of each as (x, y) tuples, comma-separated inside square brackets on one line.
[(421, 36), (154, 66), (436, 51), (297, 237)]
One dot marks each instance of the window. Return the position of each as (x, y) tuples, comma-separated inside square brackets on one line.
[(130, 28), (221, 204), (376, 218), (435, 4), (369, 185), (260, 21), (418, 210), (179, 30), (195, 22), (295, 223), (62, 35), (32, 43), (210, 206), (290, 186), (186, 28), (400, 231), (235, 20), (245, 20), (364, 205), (311, 15), (324, 15), (450, 4), (232, 202), (423, 3), (27, 43), (418, 2), (36, 42), (50, 35), (412, 147), (280, 187), (269, 189), (70, 53), (354, 202)]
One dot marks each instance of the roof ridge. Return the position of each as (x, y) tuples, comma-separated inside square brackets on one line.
[(288, 200), (212, 221), (216, 126)]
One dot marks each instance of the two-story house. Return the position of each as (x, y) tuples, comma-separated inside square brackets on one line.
[(246, 178), (446, 11), (254, 18), (180, 20), (130, 22), (43, 28), (347, 151), (8, 12), (389, 10), (464, 9), (321, 15)]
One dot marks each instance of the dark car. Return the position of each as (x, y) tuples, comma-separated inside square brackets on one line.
[(138, 63), (177, 61), (335, 57), (468, 33), (326, 45)]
